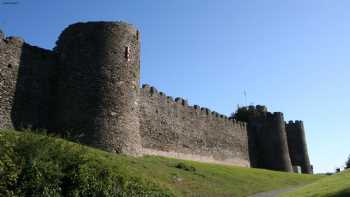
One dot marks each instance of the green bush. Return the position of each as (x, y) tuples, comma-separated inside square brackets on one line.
[(185, 167), (347, 163), (38, 165)]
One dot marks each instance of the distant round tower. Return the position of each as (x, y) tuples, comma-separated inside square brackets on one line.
[(98, 85), (297, 146), (273, 144), (268, 146)]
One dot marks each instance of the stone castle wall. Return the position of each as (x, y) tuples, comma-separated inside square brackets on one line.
[(89, 86), (173, 128), (25, 81)]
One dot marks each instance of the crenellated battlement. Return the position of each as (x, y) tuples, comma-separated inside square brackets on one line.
[(17, 41), (178, 101), (294, 124), (275, 116)]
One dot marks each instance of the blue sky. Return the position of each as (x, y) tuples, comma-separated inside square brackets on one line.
[(290, 55)]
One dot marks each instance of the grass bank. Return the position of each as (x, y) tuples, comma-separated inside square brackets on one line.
[(337, 185), (39, 165)]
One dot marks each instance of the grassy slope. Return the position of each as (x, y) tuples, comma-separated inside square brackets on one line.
[(337, 185), (205, 180)]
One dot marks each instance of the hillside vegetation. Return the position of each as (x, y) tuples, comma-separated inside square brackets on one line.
[(337, 185), (39, 165)]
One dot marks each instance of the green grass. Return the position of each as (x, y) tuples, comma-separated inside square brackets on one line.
[(35, 164), (337, 185)]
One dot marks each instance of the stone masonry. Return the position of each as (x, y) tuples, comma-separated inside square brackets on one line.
[(88, 86)]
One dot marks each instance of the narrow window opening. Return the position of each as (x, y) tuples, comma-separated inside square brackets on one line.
[(137, 35), (127, 53)]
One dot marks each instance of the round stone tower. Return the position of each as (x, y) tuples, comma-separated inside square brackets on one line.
[(97, 91), (297, 146), (268, 146), (274, 145)]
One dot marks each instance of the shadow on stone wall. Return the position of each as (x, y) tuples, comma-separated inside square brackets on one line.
[(32, 93), (253, 144)]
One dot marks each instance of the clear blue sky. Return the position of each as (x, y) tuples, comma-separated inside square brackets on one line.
[(292, 55)]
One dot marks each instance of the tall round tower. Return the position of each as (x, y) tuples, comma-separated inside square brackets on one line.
[(273, 144), (297, 146), (98, 84)]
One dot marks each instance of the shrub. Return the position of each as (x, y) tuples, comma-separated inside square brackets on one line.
[(38, 165), (347, 163), (185, 167)]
